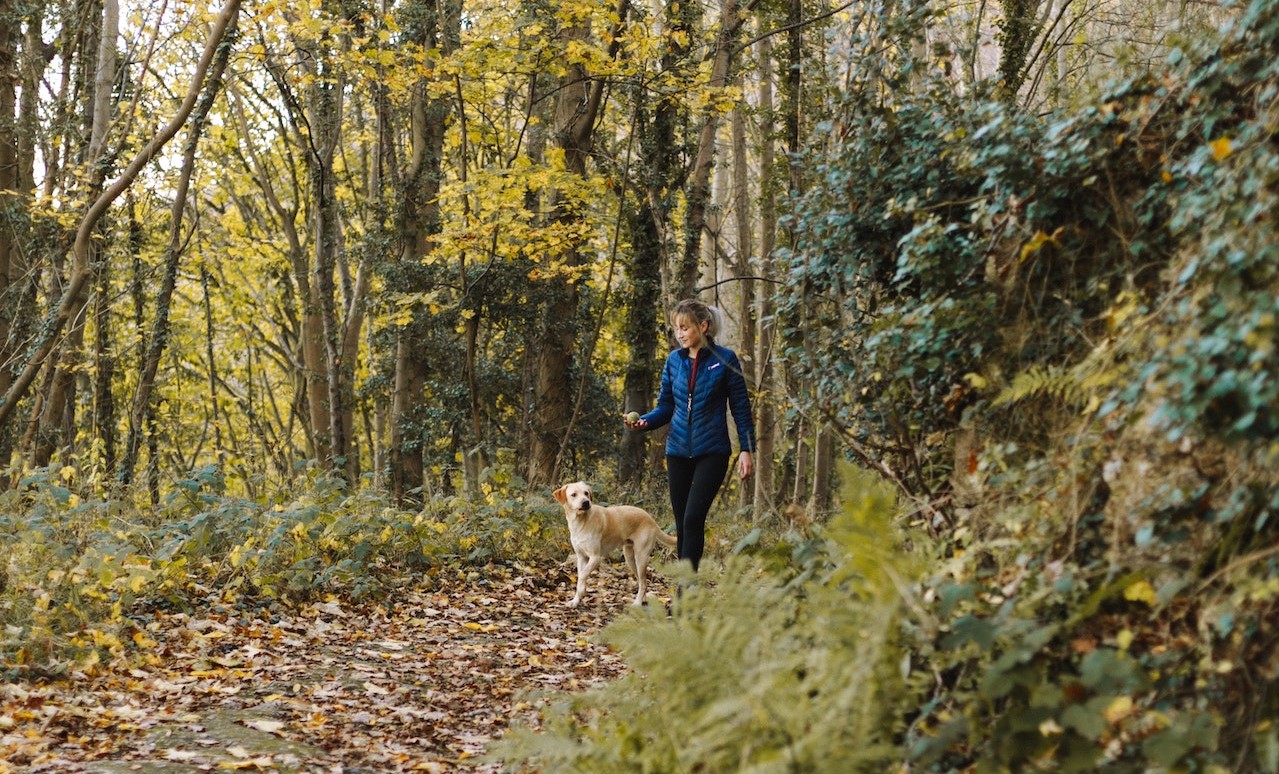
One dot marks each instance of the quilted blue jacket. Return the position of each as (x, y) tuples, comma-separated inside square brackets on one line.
[(693, 399)]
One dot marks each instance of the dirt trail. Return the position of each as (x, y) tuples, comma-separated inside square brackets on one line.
[(422, 682)]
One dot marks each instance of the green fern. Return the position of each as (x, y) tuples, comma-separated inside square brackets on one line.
[(1077, 385), (1042, 381), (755, 672)]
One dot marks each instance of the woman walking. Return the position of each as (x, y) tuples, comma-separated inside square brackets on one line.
[(701, 382)]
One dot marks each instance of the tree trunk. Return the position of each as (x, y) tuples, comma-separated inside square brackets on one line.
[(699, 189), (746, 291), (15, 193), (326, 103), (57, 417), (765, 421), (474, 455), (214, 409), (577, 104), (802, 470), (823, 470), (419, 223), (1018, 30), (104, 410), (158, 340), (641, 335)]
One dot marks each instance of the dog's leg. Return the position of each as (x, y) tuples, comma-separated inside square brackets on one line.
[(581, 578), (628, 550), (641, 572), (639, 556), (584, 571)]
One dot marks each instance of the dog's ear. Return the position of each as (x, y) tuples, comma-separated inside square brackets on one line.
[(561, 495)]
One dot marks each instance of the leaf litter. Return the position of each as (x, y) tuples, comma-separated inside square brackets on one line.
[(424, 680)]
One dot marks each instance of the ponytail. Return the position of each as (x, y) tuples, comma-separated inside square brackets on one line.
[(700, 313)]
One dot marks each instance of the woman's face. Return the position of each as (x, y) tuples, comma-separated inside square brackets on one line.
[(688, 332)]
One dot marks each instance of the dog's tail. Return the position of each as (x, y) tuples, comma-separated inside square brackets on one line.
[(666, 540)]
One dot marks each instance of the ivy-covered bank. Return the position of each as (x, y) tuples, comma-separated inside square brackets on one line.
[(1055, 338)]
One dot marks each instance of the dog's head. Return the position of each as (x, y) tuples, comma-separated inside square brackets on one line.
[(575, 496)]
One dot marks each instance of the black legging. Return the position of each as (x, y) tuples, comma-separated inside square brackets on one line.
[(694, 482)]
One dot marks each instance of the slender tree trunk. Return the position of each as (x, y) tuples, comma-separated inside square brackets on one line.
[(13, 200), (218, 416), (802, 469), (474, 456), (641, 325), (699, 190), (793, 83), (104, 410), (745, 245), (382, 168), (823, 470), (765, 393), (653, 243), (57, 417), (323, 108), (552, 397), (141, 409), (349, 354)]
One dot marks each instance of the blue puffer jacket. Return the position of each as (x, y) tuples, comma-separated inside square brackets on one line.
[(699, 425)]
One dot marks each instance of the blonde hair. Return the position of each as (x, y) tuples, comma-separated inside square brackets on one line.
[(700, 313)]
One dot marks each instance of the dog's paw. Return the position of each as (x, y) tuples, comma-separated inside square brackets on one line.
[(574, 602)]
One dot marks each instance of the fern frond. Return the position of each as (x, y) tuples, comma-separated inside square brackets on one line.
[(1040, 381)]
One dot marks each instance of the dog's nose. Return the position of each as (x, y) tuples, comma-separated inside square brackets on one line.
[(585, 506)]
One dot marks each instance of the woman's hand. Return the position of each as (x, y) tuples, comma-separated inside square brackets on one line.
[(633, 421), (745, 466)]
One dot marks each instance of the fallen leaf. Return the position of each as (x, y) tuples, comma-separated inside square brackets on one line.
[(1221, 148), (180, 755), (269, 726)]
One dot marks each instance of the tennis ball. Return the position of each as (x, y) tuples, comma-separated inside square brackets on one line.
[(633, 417)]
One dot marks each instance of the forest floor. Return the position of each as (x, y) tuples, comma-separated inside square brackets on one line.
[(422, 682)]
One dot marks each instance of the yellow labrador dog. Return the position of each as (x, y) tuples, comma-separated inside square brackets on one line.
[(597, 531)]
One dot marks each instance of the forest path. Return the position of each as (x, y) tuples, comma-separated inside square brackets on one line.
[(421, 682)]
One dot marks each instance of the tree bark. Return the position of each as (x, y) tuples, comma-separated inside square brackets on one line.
[(419, 223), (745, 245), (793, 82), (765, 422), (1017, 33), (823, 470), (15, 193), (640, 329), (104, 408)]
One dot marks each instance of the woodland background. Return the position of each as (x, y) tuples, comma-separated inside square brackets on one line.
[(301, 300)]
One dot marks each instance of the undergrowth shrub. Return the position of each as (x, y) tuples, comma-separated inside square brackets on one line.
[(788, 660), (77, 571)]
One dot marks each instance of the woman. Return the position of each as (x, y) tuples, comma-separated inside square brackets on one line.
[(699, 381)]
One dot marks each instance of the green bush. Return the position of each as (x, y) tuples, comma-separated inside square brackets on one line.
[(1059, 332)]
